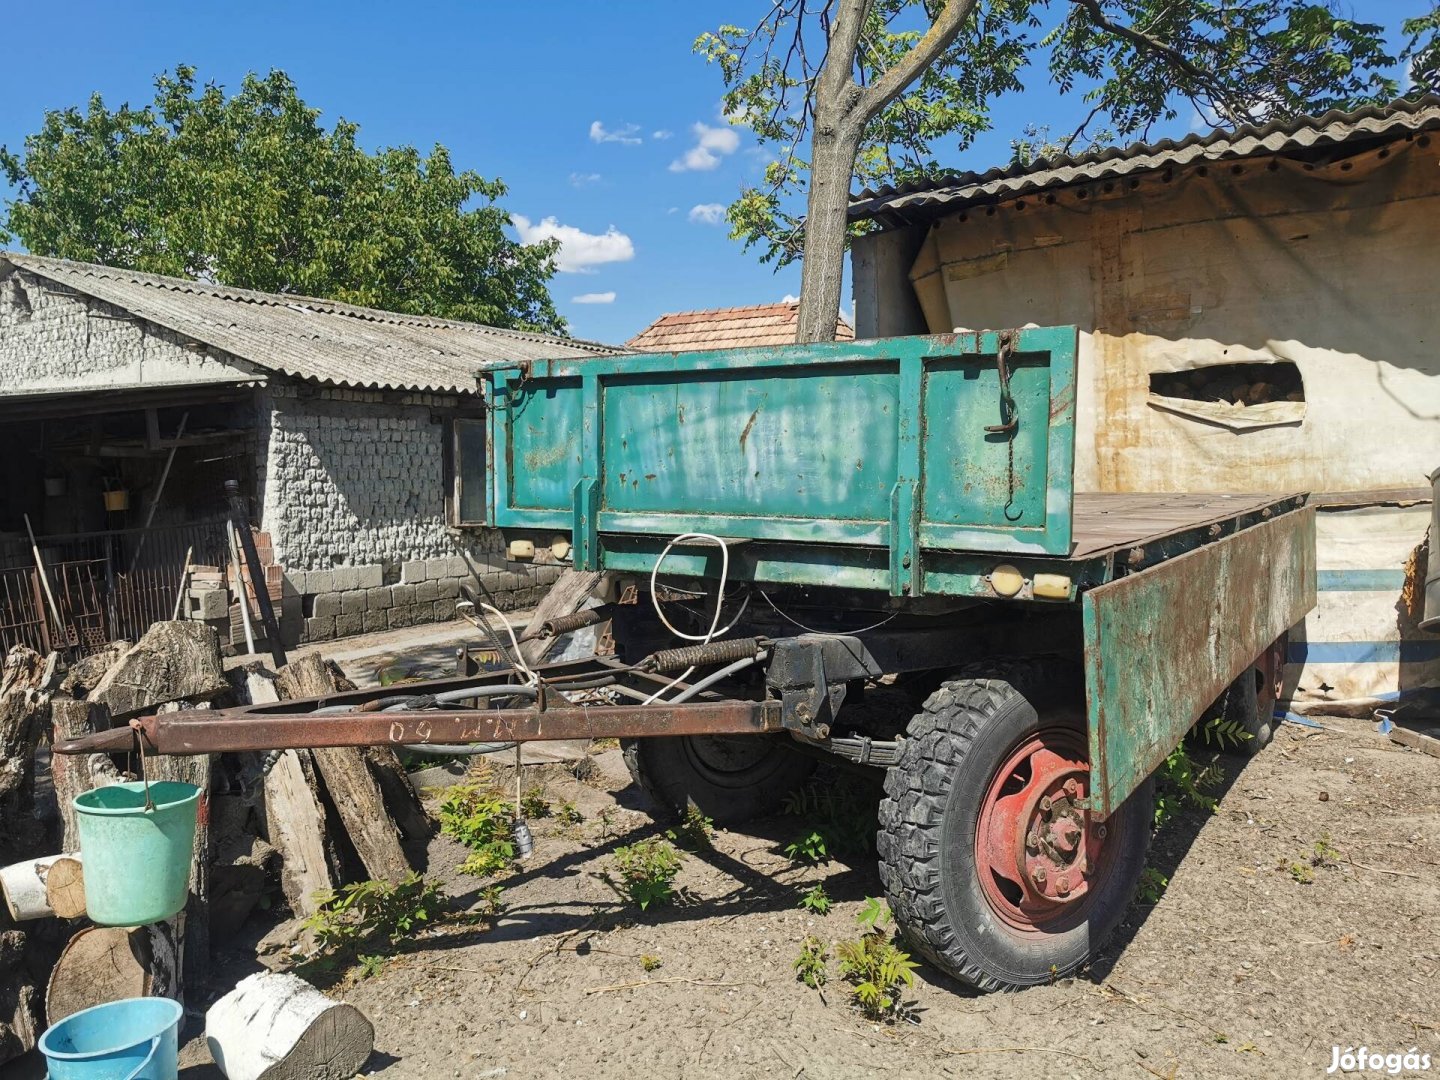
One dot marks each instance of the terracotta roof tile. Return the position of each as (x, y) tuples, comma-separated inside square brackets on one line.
[(726, 328)]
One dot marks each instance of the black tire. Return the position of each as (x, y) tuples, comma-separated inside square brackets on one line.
[(728, 778), (970, 729)]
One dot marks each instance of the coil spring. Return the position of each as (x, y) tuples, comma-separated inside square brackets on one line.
[(717, 652), (567, 623)]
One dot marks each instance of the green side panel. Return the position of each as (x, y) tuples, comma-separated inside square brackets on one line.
[(542, 454), (1161, 645), (790, 443)]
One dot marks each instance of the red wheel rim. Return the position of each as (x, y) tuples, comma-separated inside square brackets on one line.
[(1038, 853)]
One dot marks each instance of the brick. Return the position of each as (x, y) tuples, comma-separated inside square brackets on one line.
[(377, 599), (435, 569), (401, 615), (458, 567), (326, 606), (402, 594), (352, 603), (427, 592), (319, 629), (350, 625), (370, 577), (412, 572), (445, 611), (375, 620), (425, 613)]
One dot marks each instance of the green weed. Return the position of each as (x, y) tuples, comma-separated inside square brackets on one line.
[(810, 966), (809, 847), (567, 814), (647, 870), (371, 910), (482, 820), (877, 971), (650, 962), (533, 804), (816, 899), (371, 965), (1152, 885), (695, 831), (842, 816), (1302, 873), (1182, 784)]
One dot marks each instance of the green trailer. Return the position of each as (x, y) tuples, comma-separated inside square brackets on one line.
[(870, 553), (902, 511)]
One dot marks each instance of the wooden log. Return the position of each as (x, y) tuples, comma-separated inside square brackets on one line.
[(21, 1014), (72, 774), (65, 887), (172, 661), (193, 769), (86, 672), (279, 1027), (296, 820), (567, 596), (353, 791), (26, 887), (24, 717), (108, 963)]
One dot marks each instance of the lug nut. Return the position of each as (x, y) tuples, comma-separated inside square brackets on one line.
[(1032, 842), (1062, 886), (1072, 788), (1045, 803), (1038, 876)]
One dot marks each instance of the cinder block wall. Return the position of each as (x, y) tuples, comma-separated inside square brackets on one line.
[(353, 496)]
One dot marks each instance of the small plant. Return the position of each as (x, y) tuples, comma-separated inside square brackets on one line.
[(649, 962), (647, 871), (1183, 784), (816, 899), (371, 965), (567, 814), (482, 820), (1220, 732), (1325, 854), (695, 831), (877, 971), (1152, 885), (810, 966), (492, 906), (809, 847), (843, 816), (533, 803), (1302, 873), (368, 910)]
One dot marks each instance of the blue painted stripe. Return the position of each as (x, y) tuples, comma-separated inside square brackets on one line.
[(1360, 580), (1362, 652)]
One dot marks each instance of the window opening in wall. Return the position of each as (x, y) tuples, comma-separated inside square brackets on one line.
[(465, 466), (1239, 396)]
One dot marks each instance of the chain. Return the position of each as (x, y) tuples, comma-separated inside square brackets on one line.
[(1009, 422)]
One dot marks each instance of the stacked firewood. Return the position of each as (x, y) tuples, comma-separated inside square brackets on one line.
[(309, 820)]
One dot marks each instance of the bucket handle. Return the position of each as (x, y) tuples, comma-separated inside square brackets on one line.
[(149, 1059), (144, 772)]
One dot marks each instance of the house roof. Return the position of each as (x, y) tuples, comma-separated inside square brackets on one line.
[(726, 328), (1301, 135), (306, 338)]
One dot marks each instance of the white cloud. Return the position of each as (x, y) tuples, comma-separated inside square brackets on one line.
[(711, 144), (594, 298), (789, 298), (627, 134), (584, 179), (710, 213), (580, 251), (662, 134)]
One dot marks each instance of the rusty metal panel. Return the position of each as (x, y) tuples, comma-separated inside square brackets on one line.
[(1162, 644)]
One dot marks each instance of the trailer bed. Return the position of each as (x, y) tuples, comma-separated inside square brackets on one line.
[(1108, 522)]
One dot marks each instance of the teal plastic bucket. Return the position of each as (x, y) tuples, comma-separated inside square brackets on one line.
[(137, 861), (133, 1039)]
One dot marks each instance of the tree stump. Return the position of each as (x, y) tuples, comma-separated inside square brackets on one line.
[(71, 774), (279, 1027), (107, 963), (24, 716), (65, 887), (192, 769), (26, 886)]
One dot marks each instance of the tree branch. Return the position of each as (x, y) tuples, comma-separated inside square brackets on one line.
[(922, 54), (835, 85)]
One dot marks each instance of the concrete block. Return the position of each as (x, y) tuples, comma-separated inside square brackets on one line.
[(326, 606), (353, 603), (319, 581), (208, 604), (412, 572), (458, 567), (319, 629), (375, 620), (293, 583), (427, 592), (402, 594), (377, 599), (349, 625), (371, 577), (448, 588), (401, 615), (346, 578), (425, 613), (437, 568), (445, 611)]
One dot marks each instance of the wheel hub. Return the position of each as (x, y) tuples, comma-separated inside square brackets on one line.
[(1042, 851)]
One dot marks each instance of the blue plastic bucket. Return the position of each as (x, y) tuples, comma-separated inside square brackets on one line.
[(134, 1039), (137, 861)]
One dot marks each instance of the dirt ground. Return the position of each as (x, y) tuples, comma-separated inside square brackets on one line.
[(1239, 970)]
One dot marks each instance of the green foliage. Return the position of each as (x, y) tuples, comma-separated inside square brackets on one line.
[(371, 965), (816, 899), (1134, 63), (1324, 853), (876, 970), (567, 814), (371, 910), (1422, 52), (1302, 873), (492, 903), (1152, 885), (481, 819), (1182, 785), (533, 803), (1219, 732), (647, 871), (842, 820), (695, 831), (810, 966), (808, 847), (650, 962), (250, 189)]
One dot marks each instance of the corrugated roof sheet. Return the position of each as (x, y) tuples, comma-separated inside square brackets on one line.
[(306, 338), (1372, 123), (726, 328)]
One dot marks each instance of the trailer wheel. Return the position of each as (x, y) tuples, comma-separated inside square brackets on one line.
[(1250, 700), (728, 778), (992, 872)]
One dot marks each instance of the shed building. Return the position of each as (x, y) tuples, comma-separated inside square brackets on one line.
[(727, 328), (1257, 313), (127, 399)]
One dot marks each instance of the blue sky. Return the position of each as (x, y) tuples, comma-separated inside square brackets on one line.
[(597, 115)]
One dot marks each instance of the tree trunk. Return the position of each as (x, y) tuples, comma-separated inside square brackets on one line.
[(836, 142), (279, 1027), (109, 963), (24, 715), (72, 774)]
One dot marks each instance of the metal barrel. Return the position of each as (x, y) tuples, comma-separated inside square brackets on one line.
[(1431, 617)]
